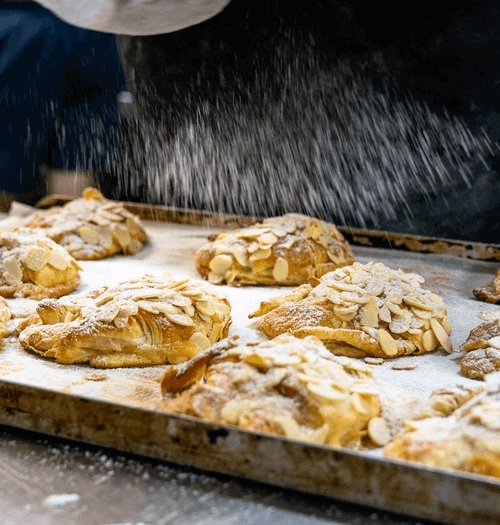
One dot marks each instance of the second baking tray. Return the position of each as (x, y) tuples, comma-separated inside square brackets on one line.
[(123, 408)]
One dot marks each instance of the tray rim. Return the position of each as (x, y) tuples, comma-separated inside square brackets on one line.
[(411, 489), (356, 236)]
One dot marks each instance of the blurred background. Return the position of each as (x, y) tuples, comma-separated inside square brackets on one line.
[(371, 114)]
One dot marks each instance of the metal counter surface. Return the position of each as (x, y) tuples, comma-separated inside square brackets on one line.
[(50, 481)]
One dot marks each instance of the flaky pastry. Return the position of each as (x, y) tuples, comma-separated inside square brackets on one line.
[(483, 350), (490, 293), (468, 439), (32, 265), (286, 386), (4, 317), (92, 227), (283, 250), (361, 310), (146, 321)]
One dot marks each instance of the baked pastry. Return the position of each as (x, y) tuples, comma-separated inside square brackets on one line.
[(360, 310), (465, 440), (92, 227), (4, 317), (146, 321), (286, 386), (32, 265), (483, 350), (490, 293), (283, 250)]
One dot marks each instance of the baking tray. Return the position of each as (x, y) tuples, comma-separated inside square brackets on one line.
[(123, 408)]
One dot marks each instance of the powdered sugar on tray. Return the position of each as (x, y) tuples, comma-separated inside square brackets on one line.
[(405, 383)]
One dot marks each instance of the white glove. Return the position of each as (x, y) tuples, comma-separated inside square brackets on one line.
[(134, 17)]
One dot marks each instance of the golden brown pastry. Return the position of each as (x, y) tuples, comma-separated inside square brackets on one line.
[(286, 386), (4, 317), (483, 350), (92, 227), (360, 310), (490, 293), (32, 265), (146, 321), (468, 439), (283, 250)]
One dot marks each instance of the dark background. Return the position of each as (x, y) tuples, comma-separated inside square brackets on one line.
[(447, 57)]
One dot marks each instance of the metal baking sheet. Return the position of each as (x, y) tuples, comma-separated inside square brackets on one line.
[(123, 408)]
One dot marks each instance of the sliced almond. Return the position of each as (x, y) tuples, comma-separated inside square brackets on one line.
[(290, 226), (369, 314), (178, 299), (58, 260), (346, 313), (399, 324), (92, 194), (253, 247), (163, 307), (220, 264), (312, 229), (205, 308), (258, 361), (13, 272), (282, 359), (122, 235), (279, 231), (384, 314), (253, 233), (260, 254), (429, 341), (231, 412), (387, 343), (153, 308), (441, 335), (230, 276), (326, 392), (422, 314), (110, 216), (280, 270), (189, 310), (445, 322), (394, 308), (289, 426), (214, 278), (105, 238), (359, 404), (200, 339), (267, 240), (411, 301), (373, 360), (89, 235), (378, 431), (180, 319), (288, 243), (241, 255), (70, 316), (346, 287), (36, 258), (404, 366), (494, 342), (336, 258)]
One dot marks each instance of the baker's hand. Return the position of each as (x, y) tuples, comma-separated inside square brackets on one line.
[(134, 17)]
